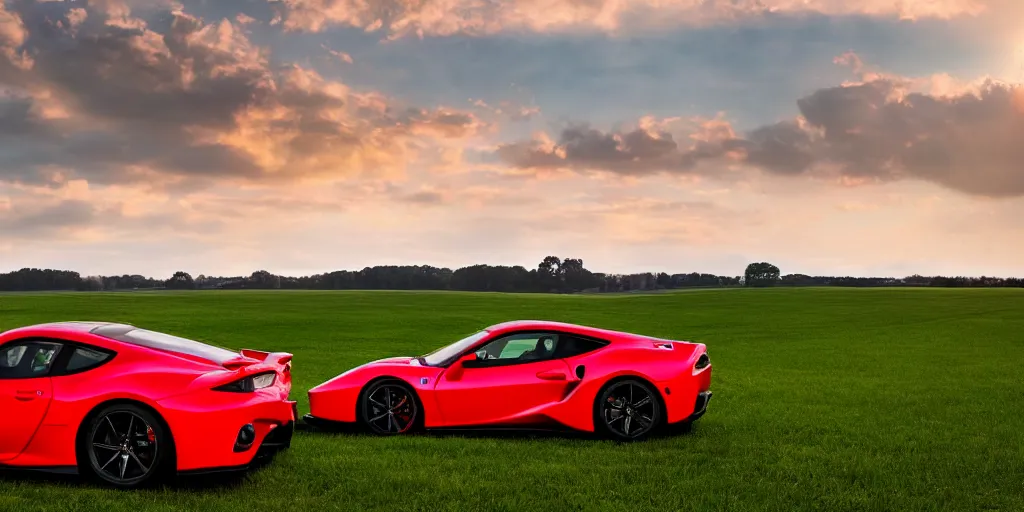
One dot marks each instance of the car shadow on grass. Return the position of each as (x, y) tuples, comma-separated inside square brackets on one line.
[(488, 433), (205, 482)]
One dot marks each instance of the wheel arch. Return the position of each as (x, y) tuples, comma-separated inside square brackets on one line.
[(659, 393), (415, 393), (125, 401)]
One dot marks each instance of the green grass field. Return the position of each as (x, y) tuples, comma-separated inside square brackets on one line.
[(837, 399)]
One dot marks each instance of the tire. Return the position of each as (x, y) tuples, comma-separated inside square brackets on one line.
[(390, 407), (627, 410), (125, 446)]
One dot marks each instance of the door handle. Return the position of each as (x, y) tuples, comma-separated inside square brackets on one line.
[(551, 375), (26, 395)]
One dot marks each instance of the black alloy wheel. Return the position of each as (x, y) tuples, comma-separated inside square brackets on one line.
[(627, 410), (390, 407), (126, 445)]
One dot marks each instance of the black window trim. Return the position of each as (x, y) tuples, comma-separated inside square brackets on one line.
[(58, 368), (492, 363), (35, 339)]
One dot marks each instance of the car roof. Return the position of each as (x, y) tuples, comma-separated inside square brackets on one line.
[(66, 327), (584, 330)]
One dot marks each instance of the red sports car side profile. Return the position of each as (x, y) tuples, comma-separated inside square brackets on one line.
[(526, 374), (129, 405)]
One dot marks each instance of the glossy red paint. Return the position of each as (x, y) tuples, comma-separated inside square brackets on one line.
[(47, 413), (536, 393)]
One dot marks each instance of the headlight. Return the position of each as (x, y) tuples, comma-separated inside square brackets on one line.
[(249, 384)]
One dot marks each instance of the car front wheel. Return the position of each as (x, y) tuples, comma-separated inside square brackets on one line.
[(389, 407)]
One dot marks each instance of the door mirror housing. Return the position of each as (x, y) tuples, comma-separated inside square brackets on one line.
[(473, 360)]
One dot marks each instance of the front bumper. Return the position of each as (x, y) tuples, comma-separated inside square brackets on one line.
[(326, 425)]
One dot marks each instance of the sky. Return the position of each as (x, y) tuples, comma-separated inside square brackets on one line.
[(220, 137)]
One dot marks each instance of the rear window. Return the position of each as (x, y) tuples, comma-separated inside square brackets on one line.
[(161, 341)]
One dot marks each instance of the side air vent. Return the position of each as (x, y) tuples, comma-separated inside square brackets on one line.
[(702, 362), (580, 371)]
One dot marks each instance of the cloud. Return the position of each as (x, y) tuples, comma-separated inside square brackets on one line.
[(963, 136), (647, 149), (111, 97), (399, 18)]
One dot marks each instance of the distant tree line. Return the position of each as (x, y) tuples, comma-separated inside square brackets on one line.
[(552, 275)]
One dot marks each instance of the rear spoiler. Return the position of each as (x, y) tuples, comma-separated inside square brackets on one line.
[(249, 357)]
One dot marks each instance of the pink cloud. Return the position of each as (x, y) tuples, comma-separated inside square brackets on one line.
[(193, 103), (881, 128), (447, 17)]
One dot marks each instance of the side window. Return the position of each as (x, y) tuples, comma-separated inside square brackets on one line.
[(515, 348), (84, 359), (27, 359), (570, 346)]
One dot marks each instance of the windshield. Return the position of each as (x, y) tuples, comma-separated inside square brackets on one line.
[(446, 353)]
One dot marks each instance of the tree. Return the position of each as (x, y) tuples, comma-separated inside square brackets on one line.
[(180, 281), (549, 273), (761, 274)]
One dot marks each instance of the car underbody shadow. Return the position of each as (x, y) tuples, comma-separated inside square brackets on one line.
[(214, 481), (489, 432), (35, 476)]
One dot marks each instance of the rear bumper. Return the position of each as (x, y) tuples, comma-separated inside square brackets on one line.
[(205, 433), (278, 439), (701, 406)]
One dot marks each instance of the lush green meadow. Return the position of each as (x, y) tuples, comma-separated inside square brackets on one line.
[(837, 399)]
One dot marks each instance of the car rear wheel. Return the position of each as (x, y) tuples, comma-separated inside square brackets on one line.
[(389, 407), (627, 410), (126, 445)]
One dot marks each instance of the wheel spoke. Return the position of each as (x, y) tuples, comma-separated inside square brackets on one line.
[(387, 395), (131, 423), (643, 401), (630, 393), (106, 446), (139, 462), (378, 403), (644, 421), (379, 417), (613, 420), (400, 403), (625, 426), (116, 455), (112, 429), (124, 465)]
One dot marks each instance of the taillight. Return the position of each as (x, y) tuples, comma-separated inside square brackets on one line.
[(249, 384), (702, 362)]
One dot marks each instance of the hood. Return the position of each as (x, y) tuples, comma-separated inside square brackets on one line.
[(394, 361)]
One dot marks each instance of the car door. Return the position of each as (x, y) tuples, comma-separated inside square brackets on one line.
[(513, 375), (25, 392)]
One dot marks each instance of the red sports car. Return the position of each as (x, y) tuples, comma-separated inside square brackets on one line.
[(526, 374), (129, 405)]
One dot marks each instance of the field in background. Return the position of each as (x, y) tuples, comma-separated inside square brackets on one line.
[(839, 399)]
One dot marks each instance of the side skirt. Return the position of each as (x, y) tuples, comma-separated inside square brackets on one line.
[(53, 470)]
